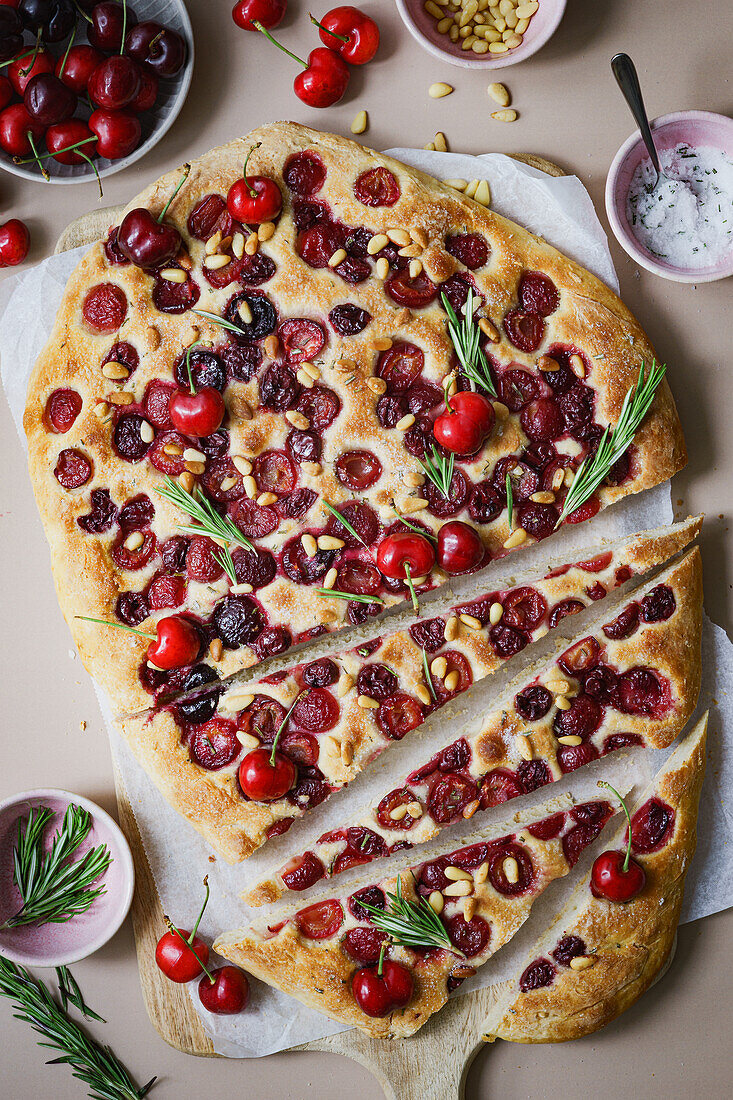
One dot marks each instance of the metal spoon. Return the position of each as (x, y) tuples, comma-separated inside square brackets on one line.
[(626, 77)]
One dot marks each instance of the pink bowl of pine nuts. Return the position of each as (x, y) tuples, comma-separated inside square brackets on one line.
[(482, 34)]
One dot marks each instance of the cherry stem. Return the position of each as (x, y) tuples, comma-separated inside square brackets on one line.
[(18, 57), (33, 55), (341, 37), (94, 169), (66, 55), (446, 395), (176, 931), (81, 11), (32, 143), (383, 948), (124, 26), (410, 584), (250, 188), (256, 23), (153, 40), (283, 724), (119, 626), (603, 783), (46, 156), (179, 185)]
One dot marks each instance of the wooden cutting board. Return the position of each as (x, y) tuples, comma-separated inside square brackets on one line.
[(444, 1048)]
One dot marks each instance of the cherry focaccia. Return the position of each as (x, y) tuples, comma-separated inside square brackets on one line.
[(600, 956), (358, 702), (483, 894), (331, 383), (634, 681)]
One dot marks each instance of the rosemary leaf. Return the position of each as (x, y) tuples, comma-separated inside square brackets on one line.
[(466, 336), (220, 321), (593, 471), (410, 923), (326, 592), (224, 557), (510, 500), (439, 470), (349, 527), (428, 677), (69, 993)]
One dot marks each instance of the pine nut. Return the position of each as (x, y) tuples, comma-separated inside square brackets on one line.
[(360, 123), (483, 193), (413, 479), (500, 94), (545, 496), (338, 257), (382, 268), (457, 185), (469, 908), (310, 546), (415, 268), (241, 589), (101, 409), (451, 629), (512, 40), (515, 539), (115, 371), (570, 739), (266, 231), (344, 685), (251, 244), (329, 542), (524, 746), (329, 581), (508, 114), (439, 89), (250, 487), (557, 479), (265, 499), (187, 481), (414, 809), (582, 962), (399, 237), (172, 449), (347, 752), (213, 263), (248, 740), (245, 312), (489, 330), (471, 189), (398, 813), (456, 874), (480, 46), (562, 703), (414, 504), (420, 236), (304, 379), (216, 649), (272, 346), (298, 420), (313, 468), (213, 243), (135, 540), (238, 245), (526, 11), (458, 890), (227, 484), (192, 455), (452, 681), (377, 385), (382, 343), (577, 365), (470, 621), (439, 667), (377, 243), (481, 873), (444, 25), (440, 142), (558, 687), (173, 275), (196, 467), (432, 9), (405, 422), (470, 809), (423, 695), (436, 902), (510, 867), (242, 464), (311, 369), (522, 25)]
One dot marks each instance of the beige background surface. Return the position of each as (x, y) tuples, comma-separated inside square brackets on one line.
[(677, 1038)]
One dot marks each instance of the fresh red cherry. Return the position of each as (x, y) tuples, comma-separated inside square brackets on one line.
[(64, 135), (460, 548), (177, 643), (180, 954), (118, 132), (77, 66), (254, 199), (399, 982), (378, 994), (114, 83), (405, 552), (226, 992), (267, 12), (265, 776), (325, 75), (350, 32), (615, 875), (148, 241), (158, 48), (48, 100), (197, 414), (466, 423), (15, 126), (107, 26), (14, 242), (25, 67)]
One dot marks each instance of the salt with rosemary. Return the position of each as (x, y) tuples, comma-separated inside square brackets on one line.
[(687, 220)]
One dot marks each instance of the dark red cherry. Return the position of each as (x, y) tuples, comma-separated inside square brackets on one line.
[(227, 994), (147, 242), (160, 49), (358, 470), (106, 28), (48, 100), (525, 329), (460, 548), (614, 879), (24, 68), (320, 921), (114, 83), (76, 68), (377, 187), (197, 414), (62, 135), (263, 781), (405, 550), (254, 199), (118, 132)]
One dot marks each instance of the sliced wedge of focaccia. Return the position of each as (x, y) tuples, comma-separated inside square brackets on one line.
[(635, 681), (331, 364), (480, 896), (335, 714), (600, 956)]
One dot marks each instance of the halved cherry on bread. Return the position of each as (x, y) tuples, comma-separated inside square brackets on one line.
[(615, 875), (254, 199), (466, 423)]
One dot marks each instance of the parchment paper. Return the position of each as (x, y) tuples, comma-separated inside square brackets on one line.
[(561, 211)]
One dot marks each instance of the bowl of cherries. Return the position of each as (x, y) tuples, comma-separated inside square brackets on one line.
[(88, 87)]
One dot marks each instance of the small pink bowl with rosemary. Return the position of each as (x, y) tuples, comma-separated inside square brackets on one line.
[(76, 877)]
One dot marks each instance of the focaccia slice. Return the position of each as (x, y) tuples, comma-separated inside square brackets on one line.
[(601, 956), (635, 681), (483, 893)]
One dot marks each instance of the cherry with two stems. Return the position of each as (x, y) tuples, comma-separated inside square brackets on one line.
[(467, 422), (14, 242), (254, 199), (381, 989), (175, 644), (350, 32), (147, 241), (267, 12), (615, 875), (180, 954), (325, 76), (196, 413), (267, 774)]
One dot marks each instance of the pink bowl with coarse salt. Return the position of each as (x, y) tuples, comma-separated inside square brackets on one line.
[(61, 944), (423, 27), (696, 128)]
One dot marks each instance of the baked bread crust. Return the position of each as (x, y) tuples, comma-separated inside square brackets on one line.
[(628, 943), (234, 827), (521, 754), (589, 318), (319, 972)]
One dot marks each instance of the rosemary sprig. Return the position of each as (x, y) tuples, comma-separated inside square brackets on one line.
[(410, 923), (349, 527), (284, 723), (615, 441), (509, 499), (224, 557), (53, 888), (439, 470), (465, 336), (220, 321), (90, 1062), (414, 527), (326, 592), (207, 520), (69, 993), (427, 675)]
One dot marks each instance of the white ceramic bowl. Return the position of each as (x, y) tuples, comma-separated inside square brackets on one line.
[(422, 27), (62, 944), (171, 97)]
